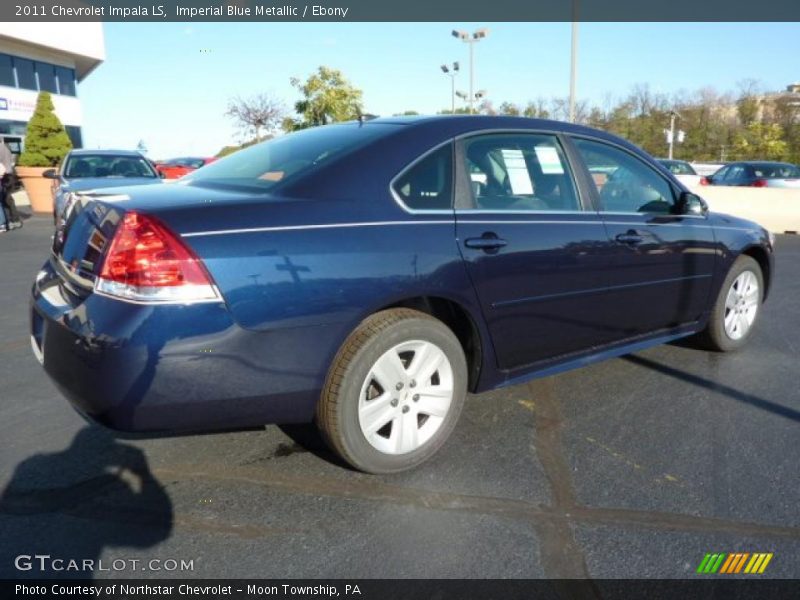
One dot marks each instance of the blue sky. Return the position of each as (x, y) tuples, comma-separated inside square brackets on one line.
[(169, 84)]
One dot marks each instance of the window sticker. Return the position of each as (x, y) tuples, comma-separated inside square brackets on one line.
[(518, 177), (549, 160)]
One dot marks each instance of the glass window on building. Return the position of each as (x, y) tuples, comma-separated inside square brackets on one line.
[(66, 81), (74, 134), (6, 71), (26, 78), (47, 77)]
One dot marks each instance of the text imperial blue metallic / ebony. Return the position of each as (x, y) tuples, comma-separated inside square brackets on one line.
[(366, 275)]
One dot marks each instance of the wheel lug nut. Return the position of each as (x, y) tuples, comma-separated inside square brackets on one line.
[(413, 383), (394, 402), (399, 386), (416, 398), (405, 409)]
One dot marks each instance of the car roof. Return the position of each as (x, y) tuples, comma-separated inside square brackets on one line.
[(762, 163), (457, 125), (80, 151)]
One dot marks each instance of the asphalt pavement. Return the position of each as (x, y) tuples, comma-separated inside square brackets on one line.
[(631, 468)]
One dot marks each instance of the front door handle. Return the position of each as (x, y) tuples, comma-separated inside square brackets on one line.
[(488, 242), (631, 238)]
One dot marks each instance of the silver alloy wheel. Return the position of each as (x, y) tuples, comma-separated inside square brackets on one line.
[(741, 305), (405, 397)]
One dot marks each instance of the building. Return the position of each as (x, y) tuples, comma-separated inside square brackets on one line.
[(54, 57)]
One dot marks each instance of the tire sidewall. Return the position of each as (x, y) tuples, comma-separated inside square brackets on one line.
[(357, 447)]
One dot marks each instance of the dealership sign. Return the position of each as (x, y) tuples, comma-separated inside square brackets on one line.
[(18, 105)]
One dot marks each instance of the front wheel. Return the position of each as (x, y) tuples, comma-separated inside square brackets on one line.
[(737, 306), (394, 391)]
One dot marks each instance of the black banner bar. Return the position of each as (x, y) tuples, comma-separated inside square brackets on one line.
[(400, 10), (408, 589)]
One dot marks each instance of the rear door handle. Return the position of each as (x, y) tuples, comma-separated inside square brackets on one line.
[(631, 237), (488, 242)]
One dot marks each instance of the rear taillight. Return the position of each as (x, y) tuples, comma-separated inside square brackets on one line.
[(146, 262), (704, 181), (759, 183)]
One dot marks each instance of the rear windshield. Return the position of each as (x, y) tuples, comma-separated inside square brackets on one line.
[(776, 171), (270, 164), (107, 165), (679, 168)]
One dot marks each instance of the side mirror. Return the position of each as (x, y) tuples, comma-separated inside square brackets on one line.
[(50, 174), (692, 204), (161, 174)]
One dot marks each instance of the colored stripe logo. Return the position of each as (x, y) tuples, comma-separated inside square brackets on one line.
[(737, 562)]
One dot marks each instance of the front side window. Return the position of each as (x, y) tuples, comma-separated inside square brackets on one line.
[(519, 172), (625, 183), (428, 184)]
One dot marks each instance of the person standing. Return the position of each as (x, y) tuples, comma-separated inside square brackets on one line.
[(11, 216)]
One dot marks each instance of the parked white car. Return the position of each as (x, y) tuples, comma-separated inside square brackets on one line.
[(683, 171)]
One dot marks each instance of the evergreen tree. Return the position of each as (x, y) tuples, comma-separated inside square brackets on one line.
[(46, 140)]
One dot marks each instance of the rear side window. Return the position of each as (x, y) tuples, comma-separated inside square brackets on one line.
[(428, 184), (519, 172)]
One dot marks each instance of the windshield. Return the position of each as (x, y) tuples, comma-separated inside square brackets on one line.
[(107, 165), (679, 168), (272, 163), (776, 171)]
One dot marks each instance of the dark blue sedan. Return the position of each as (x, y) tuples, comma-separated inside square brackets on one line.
[(84, 170), (367, 275)]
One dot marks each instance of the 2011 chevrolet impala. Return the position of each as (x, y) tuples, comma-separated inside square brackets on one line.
[(366, 275)]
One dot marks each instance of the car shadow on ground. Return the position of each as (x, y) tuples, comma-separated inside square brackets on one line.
[(715, 386), (104, 484)]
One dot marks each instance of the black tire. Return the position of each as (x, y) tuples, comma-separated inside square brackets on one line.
[(337, 414), (714, 337)]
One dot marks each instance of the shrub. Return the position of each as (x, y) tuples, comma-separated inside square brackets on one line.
[(46, 140)]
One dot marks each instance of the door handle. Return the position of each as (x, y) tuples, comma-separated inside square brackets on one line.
[(631, 238), (488, 242)]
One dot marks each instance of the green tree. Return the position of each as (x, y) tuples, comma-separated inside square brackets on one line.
[(760, 140), (328, 97), (46, 140), (508, 108)]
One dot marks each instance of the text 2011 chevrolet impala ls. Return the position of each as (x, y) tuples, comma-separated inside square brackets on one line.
[(367, 275)]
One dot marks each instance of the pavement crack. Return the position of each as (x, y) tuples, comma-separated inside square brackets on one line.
[(561, 555)]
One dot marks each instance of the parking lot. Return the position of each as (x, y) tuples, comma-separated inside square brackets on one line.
[(632, 468)]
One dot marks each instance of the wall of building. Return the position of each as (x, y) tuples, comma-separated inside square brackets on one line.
[(77, 45), (778, 210)]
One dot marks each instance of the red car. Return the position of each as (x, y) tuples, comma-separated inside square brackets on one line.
[(178, 167)]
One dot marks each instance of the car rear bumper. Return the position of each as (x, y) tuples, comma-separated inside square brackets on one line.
[(137, 367)]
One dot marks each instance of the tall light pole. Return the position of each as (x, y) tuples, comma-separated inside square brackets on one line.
[(671, 136), (451, 73), (573, 62), (471, 39)]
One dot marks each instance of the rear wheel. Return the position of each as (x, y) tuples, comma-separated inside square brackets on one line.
[(394, 392), (737, 307)]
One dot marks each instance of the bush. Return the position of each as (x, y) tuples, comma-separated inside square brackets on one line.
[(46, 140)]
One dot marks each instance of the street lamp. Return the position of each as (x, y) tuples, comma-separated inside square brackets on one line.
[(451, 73), (476, 96), (471, 39), (673, 114)]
